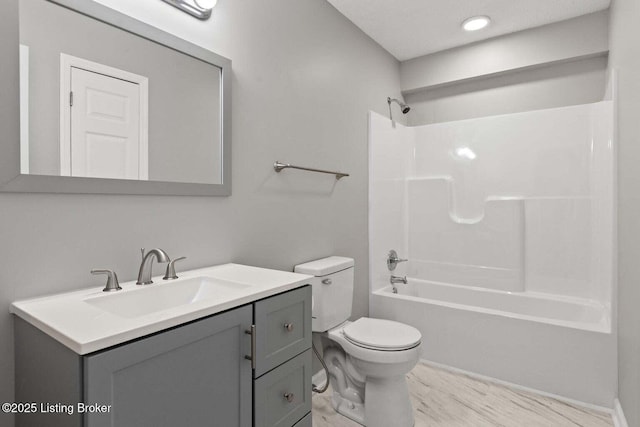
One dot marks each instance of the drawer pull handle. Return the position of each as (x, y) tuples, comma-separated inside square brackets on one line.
[(252, 332), (326, 281), (288, 327), (289, 397)]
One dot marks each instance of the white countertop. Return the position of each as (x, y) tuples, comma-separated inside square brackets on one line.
[(85, 328)]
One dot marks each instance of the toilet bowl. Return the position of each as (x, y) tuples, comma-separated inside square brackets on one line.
[(367, 359), (374, 370)]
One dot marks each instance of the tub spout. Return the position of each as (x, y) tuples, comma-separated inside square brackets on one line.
[(397, 279)]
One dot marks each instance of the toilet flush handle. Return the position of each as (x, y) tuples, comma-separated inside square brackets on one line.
[(326, 281)]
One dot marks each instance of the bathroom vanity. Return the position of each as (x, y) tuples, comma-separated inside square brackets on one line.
[(224, 346)]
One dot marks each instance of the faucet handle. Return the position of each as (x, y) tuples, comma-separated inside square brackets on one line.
[(112, 280), (170, 274), (393, 260)]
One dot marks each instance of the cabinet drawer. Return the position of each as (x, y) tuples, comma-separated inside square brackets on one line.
[(283, 396), (283, 328), (305, 422)]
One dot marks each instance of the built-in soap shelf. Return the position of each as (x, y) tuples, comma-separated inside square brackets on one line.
[(450, 199), (497, 247)]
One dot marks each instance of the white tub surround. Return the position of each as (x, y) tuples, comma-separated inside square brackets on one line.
[(507, 222), (518, 202), (90, 320)]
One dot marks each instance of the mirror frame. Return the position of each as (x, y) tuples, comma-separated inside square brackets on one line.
[(11, 180)]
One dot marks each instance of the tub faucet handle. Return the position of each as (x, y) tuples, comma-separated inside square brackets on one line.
[(393, 260)]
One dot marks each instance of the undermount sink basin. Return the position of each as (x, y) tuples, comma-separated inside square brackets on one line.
[(163, 296)]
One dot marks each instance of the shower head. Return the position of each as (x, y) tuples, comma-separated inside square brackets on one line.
[(403, 107)]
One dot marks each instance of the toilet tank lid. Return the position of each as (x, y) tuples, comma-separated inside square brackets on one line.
[(324, 266)]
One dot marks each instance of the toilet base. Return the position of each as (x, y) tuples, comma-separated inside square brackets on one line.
[(387, 403), (352, 410)]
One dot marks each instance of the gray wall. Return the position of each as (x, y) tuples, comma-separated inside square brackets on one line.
[(556, 85), (304, 78), (625, 58), (556, 65), (584, 36), (184, 93)]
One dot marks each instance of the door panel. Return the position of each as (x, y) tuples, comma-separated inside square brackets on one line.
[(105, 126)]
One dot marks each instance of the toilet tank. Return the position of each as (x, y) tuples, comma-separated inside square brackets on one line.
[(332, 289)]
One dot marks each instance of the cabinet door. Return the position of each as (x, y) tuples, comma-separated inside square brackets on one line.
[(193, 375), (283, 328)]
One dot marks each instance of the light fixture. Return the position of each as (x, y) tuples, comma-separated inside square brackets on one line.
[(476, 23), (201, 9)]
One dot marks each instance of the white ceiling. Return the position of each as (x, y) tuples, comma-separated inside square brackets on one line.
[(412, 28)]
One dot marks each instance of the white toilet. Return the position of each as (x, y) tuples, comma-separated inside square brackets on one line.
[(367, 359)]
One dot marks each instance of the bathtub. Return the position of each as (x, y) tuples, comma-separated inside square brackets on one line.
[(558, 345), (576, 313)]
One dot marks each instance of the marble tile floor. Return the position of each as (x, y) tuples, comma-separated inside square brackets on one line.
[(446, 399)]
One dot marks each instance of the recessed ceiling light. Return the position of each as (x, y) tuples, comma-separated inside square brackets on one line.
[(476, 23)]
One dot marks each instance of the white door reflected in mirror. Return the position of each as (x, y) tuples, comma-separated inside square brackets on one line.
[(103, 121)]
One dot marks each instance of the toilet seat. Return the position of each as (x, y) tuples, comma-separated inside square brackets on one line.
[(372, 355), (382, 334)]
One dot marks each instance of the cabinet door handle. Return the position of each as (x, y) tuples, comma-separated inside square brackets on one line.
[(288, 327), (252, 332), (289, 397)]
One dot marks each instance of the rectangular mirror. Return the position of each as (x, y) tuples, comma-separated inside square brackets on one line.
[(109, 104)]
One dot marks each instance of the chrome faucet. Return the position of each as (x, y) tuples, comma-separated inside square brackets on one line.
[(144, 275), (398, 279)]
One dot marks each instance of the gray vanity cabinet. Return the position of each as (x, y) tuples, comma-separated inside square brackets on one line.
[(198, 374), (194, 375), (282, 388)]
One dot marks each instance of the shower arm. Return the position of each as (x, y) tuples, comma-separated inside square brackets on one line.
[(403, 107)]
